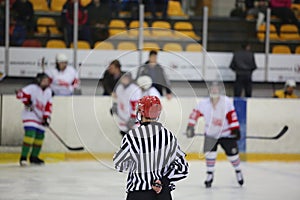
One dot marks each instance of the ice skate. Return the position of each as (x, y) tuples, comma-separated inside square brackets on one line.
[(239, 177), (209, 179), (36, 161), (23, 161)]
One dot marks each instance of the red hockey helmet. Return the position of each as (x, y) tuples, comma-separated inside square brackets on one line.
[(149, 107)]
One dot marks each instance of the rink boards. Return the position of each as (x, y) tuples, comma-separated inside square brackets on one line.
[(86, 121)]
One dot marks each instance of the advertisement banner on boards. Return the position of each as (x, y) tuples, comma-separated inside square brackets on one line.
[(179, 66)]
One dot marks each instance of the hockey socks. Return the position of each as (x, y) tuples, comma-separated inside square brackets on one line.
[(210, 165), (27, 142), (33, 138)]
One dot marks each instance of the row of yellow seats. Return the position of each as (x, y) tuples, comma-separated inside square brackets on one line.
[(160, 29), (55, 5), (174, 7), (125, 46), (287, 32), (284, 49)]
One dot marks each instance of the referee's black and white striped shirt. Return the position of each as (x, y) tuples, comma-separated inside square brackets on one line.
[(149, 153)]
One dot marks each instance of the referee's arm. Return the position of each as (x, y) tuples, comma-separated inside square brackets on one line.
[(179, 168), (121, 158)]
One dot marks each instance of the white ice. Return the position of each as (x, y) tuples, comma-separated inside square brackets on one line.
[(93, 180)]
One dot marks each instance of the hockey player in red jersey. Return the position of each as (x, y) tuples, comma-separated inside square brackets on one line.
[(37, 99), (64, 78), (126, 97), (221, 127)]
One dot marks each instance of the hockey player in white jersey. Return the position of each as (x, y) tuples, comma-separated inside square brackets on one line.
[(64, 78), (221, 127), (145, 83), (37, 99), (127, 95)]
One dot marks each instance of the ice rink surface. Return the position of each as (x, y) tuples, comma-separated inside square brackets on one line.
[(93, 180)]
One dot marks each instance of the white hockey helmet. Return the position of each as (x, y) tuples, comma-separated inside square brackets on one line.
[(290, 83), (60, 57), (145, 82)]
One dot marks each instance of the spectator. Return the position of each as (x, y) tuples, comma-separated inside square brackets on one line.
[(64, 79), (152, 6), (111, 77), (258, 8), (243, 64), (68, 21), (157, 74), (126, 97), (22, 21), (282, 9), (287, 91), (98, 19)]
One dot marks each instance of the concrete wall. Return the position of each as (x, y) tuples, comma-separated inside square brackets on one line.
[(85, 120)]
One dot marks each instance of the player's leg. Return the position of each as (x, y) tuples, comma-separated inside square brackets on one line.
[(210, 150), (27, 143), (37, 146), (232, 152)]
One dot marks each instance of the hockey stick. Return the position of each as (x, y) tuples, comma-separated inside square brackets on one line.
[(61, 140), (279, 135)]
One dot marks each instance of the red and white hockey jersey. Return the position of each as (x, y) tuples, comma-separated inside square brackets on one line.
[(219, 120), (41, 104), (127, 98), (152, 91), (63, 82)]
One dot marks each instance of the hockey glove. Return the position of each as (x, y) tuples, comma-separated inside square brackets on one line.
[(131, 122), (114, 109), (46, 121), (190, 131), (236, 133), (157, 186)]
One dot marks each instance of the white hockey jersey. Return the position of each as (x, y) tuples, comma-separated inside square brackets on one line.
[(127, 98), (152, 91), (41, 105), (219, 120), (63, 82)]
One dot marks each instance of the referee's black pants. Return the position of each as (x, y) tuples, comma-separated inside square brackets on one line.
[(165, 194)]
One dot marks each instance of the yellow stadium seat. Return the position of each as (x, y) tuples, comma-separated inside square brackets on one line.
[(45, 24), (289, 32), (194, 47), (127, 46), (151, 46), (103, 45), (281, 49), (56, 44), (57, 5), (84, 3), (39, 5), (187, 29), (162, 29), (134, 31), (297, 50), (175, 9), (81, 44), (172, 47), (262, 30), (116, 26)]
